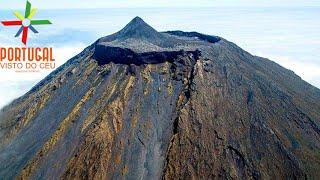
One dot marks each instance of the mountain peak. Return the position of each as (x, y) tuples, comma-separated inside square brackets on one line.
[(137, 19), (139, 36), (135, 23), (137, 28)]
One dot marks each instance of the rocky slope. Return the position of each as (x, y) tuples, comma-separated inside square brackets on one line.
[(140, 104)]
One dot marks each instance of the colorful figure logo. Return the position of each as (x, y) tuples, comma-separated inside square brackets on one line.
[(26, 22)]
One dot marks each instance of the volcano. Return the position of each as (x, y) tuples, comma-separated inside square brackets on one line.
[(143, 104)]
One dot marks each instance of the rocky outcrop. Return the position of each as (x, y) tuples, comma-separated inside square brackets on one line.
[(211, 39), (106, 54)]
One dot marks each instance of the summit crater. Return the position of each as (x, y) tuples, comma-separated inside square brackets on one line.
[(140, 37)]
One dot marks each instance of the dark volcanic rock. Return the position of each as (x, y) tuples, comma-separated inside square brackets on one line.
[(140, 104), (106, 54), (211, 39), (136, 29)]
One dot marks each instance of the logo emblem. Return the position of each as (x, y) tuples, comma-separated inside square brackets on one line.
[(26, 22)]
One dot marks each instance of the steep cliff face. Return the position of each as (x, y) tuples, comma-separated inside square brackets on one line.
[(140, 104)]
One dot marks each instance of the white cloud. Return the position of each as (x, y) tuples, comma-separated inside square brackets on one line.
[(308, 71)]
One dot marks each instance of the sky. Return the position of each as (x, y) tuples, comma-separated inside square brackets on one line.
[(71, 4), (287, 32)]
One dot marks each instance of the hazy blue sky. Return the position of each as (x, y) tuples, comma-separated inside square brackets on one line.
[(61, 4)]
